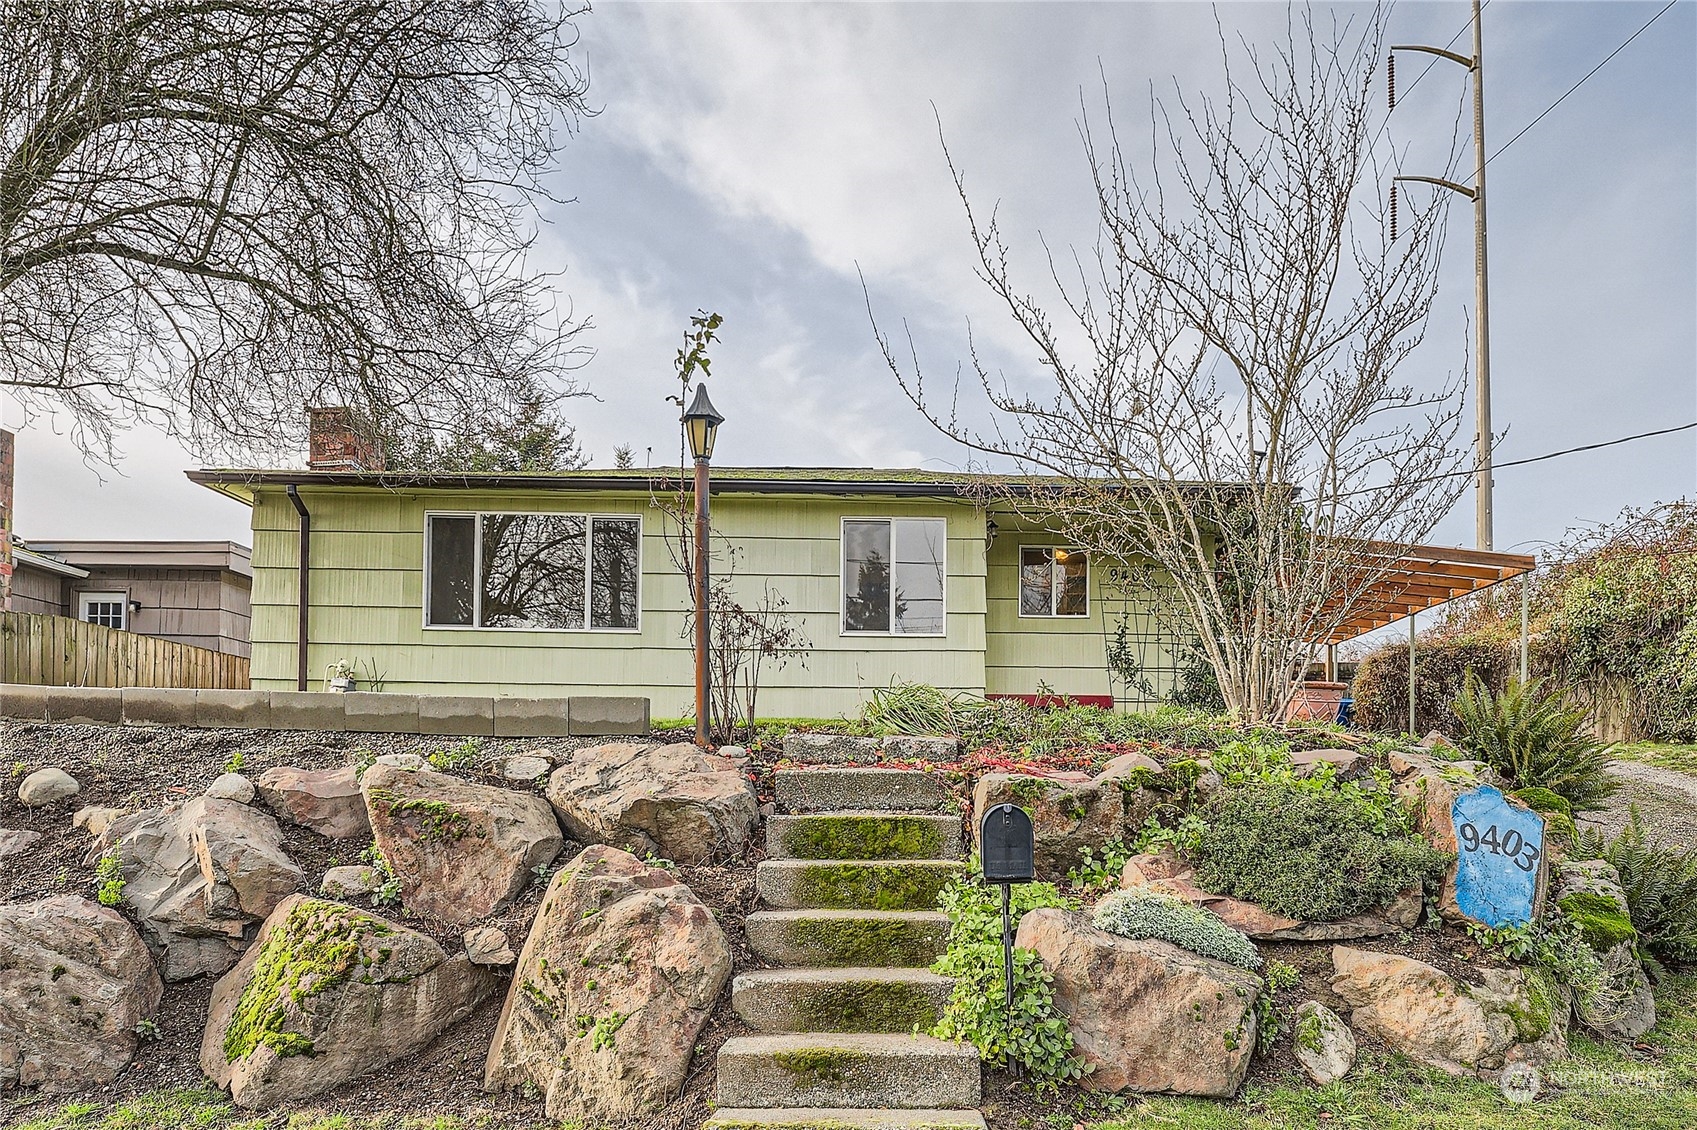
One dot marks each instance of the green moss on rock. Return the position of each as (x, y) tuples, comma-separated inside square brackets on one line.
[(1600, 919), (1532, 1022), (867, 1006), (863, 837), (1540, 799), (814, 1066), (438, 820), (866, 941), (871, 886), (316, 948)]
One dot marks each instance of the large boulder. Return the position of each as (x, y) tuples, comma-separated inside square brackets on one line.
[(673, 801), (616, 981), (1146, 1015), (1069, 814), (1589, 893), (460, 851), (1166, 872), (1431, 786), (75, 983), (327, 994), (197, 876), (1437, 1020), (328, 801)]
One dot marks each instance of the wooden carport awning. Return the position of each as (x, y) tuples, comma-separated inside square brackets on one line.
[(1421, 577)]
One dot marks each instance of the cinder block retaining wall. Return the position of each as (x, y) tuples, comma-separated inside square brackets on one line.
[(455, 716)]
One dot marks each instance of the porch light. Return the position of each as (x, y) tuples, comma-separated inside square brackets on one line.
[(701, 424)]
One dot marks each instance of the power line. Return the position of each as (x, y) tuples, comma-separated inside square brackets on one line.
[(1522, 462), (1580, 83)]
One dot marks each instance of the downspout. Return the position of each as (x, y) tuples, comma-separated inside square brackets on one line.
[(301, 603)]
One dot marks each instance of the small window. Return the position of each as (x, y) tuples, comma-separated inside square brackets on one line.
[(1054, 582), (453, 569), (104, 608), (894, 572), (561, 572)]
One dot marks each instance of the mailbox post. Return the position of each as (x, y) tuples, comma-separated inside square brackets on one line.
[(1007, 850)]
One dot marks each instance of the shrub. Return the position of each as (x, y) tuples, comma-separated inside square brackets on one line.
[(1529, 736), (1318, 854), (1660, 883), (1035, 1037), (1143, 912)]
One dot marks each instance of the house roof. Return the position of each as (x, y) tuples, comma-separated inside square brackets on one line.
[(150, 554), (31, 559), (909, 482)]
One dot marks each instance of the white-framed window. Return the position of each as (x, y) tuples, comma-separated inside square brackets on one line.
[(108, 609), (1053, 581), (895, 573), (533, 572)]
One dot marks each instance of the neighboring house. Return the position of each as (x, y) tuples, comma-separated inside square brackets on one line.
[(193, 592), (564, 583)]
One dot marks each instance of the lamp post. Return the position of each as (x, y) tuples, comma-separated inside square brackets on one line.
[(701, 427)]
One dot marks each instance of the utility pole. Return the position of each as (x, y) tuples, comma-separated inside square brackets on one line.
[(1483, 520)]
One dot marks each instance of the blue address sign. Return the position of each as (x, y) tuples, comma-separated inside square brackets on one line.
[(1500, 855)]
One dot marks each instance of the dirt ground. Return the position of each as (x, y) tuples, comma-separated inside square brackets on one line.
[(134, 767)]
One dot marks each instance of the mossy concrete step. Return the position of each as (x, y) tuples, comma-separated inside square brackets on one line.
[(840, 1000), (882, 938), (863, 835), (822, 1069), (885, 884), (843, 1118), (849, 790)]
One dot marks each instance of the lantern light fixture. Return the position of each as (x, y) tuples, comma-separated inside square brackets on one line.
[(701, 424)]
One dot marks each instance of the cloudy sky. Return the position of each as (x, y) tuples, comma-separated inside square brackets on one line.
[(759, 160)]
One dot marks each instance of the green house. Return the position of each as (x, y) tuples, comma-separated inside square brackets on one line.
[(570, 583)]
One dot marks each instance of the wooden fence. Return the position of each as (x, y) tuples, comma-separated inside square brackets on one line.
[(58, 651)]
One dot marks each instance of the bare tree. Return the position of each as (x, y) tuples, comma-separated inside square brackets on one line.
[(1219, 422), (212, 212)]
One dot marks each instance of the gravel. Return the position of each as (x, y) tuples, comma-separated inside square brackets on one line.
[(1666, 800)]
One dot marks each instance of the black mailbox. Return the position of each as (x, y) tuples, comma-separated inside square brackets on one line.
[(1006, 845)]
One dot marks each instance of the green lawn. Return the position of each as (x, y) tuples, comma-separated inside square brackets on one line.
[(1681, 758)]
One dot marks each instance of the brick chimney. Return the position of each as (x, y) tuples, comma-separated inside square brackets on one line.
[(336, 442), (7, 446)]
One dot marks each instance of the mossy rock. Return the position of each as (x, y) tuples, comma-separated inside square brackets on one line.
[(1542, 800), (832, 836), (1600, 919), (855, 885), (869, 1006), (815, 1066), (839, 939), (319, 946)]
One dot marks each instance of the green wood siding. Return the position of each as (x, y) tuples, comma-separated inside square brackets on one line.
[(367, 593), (1067, 654)]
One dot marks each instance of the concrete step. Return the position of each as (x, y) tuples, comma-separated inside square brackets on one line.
[(884, 884), (863, 835), (847, 937), (842, 1118), (856, 999), (822, 1069), (850, 790)]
